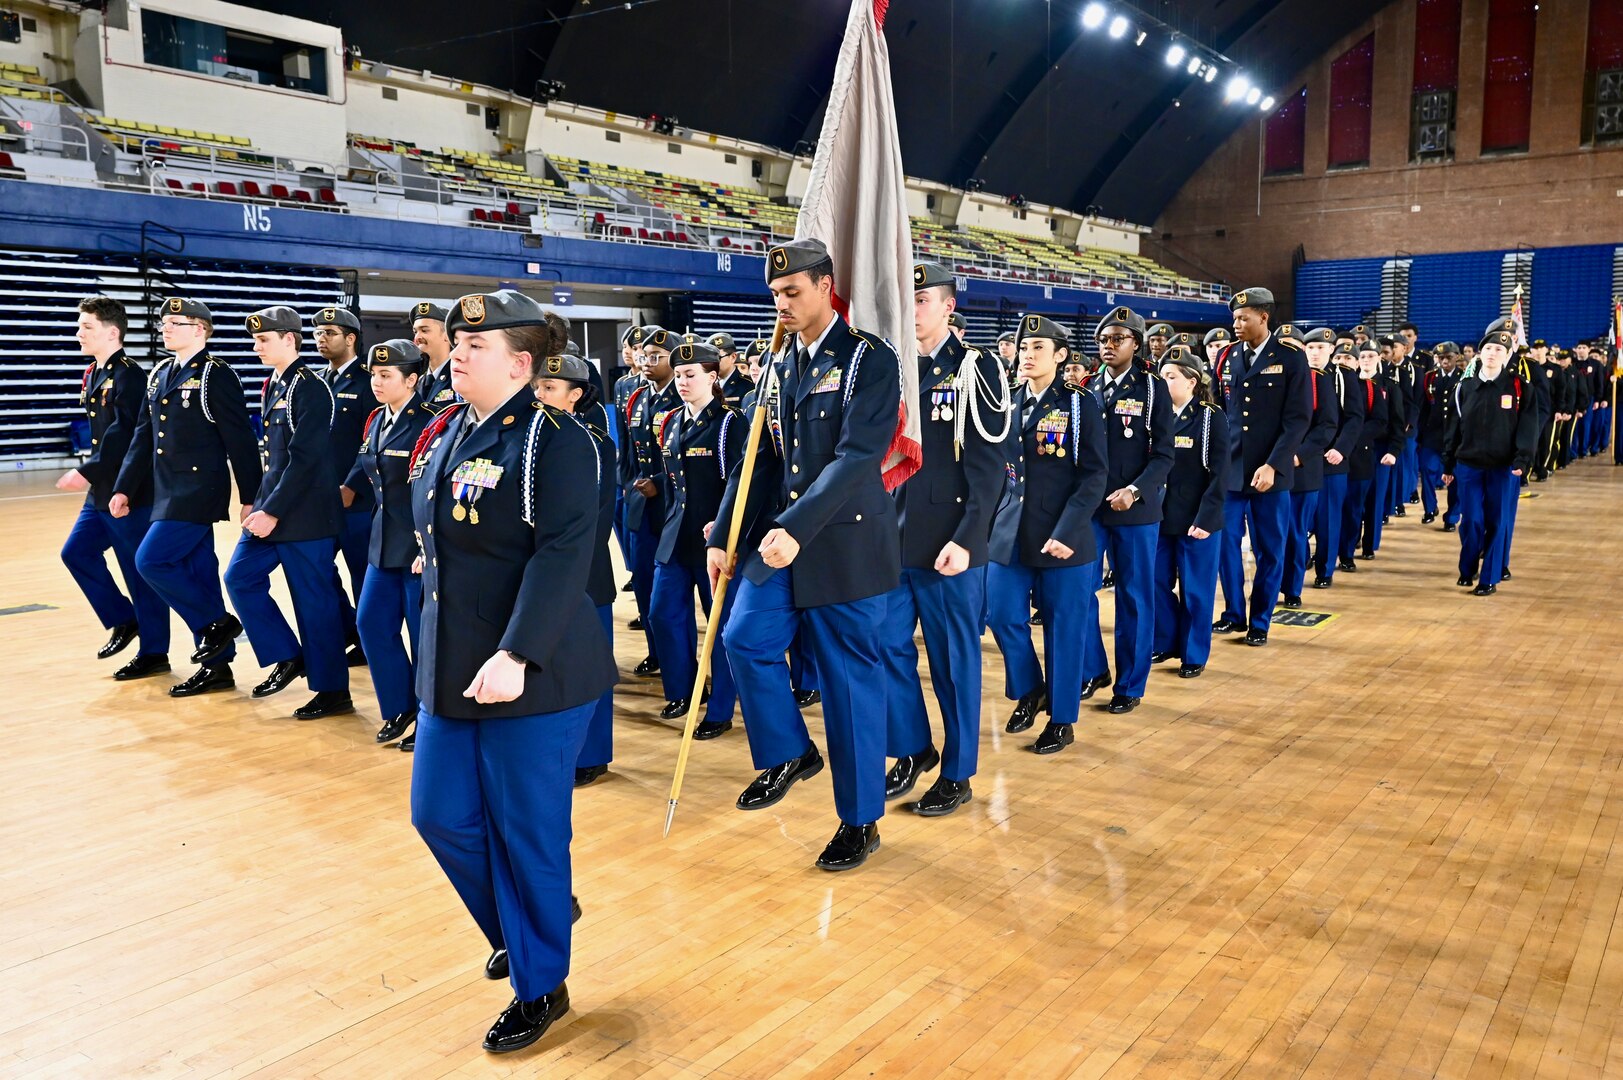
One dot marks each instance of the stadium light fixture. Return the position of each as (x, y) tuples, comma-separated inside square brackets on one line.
[(1236, 88), (1211, 74), (1194, 65), (1253, 95), (1175, 55), (1093, 16), (1118, 26), (1267, 105)]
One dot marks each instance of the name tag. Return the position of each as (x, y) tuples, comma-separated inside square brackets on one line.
[(1129, 407), (397, 453), (699, 451), (1274, 369), (828, 383), (1183, 442), (351, 396), (1506, 402)]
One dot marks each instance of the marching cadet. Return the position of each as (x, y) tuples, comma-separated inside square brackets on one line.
[(565, 383), (1308, 484), (294, 524), (1158, 337), (830, 555), (641, 471), (1436, 399), (1540, 376), (1600, 417), (1378, 446), (1574, 403), (427, 323), (1191, 516), (1360, 334), (616, 407), (505, 498), (1043, 545), (1216, 340), (1491, 442), (338, 339), (1338, 459), (1008, 354), (393, 591), (754, 354), (701, 443), (735, 381), (1583, 443), (1381, 498), (1138, 455), (193, 424), (1263, 386), (111, 394), (946, 512), (1405, 375), (958, 325)]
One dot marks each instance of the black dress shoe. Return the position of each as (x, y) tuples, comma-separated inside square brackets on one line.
[(1484, 590), (396, 726), (907, 770), (943, 798), (674, 708), (711, 729), (1094, 685), (1227, 626), (1161, 657), (628, 587), (1292, 601), (1108, 581), (773, 784), (1026, 710), (1346, 563), (122, 635), (1054, 738), (1506, 575), (1449, 526), (1035, 620), (1255, 638), (142, 666), (1190, 671), (325, 703), (1121, 703), (1465, 581), (586, 775), (217, 636), (1427, 519), (204, 680), (355, 656), (279, 678), (1366, 555), (496, 967), (1322, 583), (524, 1022), (649, 666), (635, 623), (409, 743), (807, 698), (850, 848), (1400, 512)]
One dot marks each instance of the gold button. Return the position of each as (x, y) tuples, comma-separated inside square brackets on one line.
[(161, 434), (194, 467), (859, 517), (92, 442), (166, 401), (431, 530), (794, 468), (822, 414), (431, 494), (937, 371), (794, 494), (161, 416), (436, 596), (160, 449), (436, 560)]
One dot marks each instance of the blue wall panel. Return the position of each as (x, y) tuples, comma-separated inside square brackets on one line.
[(1572, 293), (1454, 297), (1337, 292)]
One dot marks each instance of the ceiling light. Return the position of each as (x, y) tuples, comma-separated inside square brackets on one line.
[(1118, 26), (1252, 96), (1175, 55), (1139, 40), (1194, 65), (1267, 104), (1093, 16), (1210, 75), (1236, 88)]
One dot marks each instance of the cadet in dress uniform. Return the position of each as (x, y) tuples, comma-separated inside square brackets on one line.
[(1307, 486), (111, 394), (294, 525), (1191, 515), (1157, 339), (1264, 388), (701, 443), (338, 340), (427, 323), (1405, 375), (1216, 340), (1436, 400), (829, 556), (1138, 441), (1008, 354), (945, 510), (641, 469), (1379, 506), (393, 592), (1043, 543), (565, 383), (1583, 441), (1491, 442), (735, 381), (958, 325), (619, 398), (1378, 444), (1338, 458), (505, 498), (193, 424)]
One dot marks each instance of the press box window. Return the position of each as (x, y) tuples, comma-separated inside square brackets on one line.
[(182, 44)]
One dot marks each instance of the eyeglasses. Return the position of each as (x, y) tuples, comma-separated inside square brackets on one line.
[(174, 324), (1115, 340)]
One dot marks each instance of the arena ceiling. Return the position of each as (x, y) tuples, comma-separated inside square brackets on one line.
[(1011, 92)]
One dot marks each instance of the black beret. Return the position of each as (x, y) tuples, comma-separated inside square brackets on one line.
[(723, 343), (1222, 335), (757, 347), (927, 275), (1124, 317), (1160, 329), (695, 352), (794, 257), (504, 310), (1290, 334), (1185, 357), (1323, 335), (423, 309), (632, 337), (1446, 348), (1344, 348), (566, 366), (1037, 326), (192, 309), (1537, 343), (1360, 329), (1007, 335), (337, 316), (661, 338), (396, 353), (1250, 298), (957, 321), (1186, 339), (1499, 332), (277, 319)]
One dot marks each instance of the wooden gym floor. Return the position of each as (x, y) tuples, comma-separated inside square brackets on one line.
[(1383, 846)]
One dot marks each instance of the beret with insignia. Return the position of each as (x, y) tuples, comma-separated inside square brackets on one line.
[(1289, 334), (723, 343), (1360, 330), (1221, 335), (1446, 348), (1037, 326), (957, 321), (1007, 335), (1323, 335), (1344, 348), (660, 338), (1185, 339), (695, 352), (1160, 329), (568, 367), (1369, 345), (1187, 358), (1124, 317), (757, 347), (337, 316), (1500, 332), (927, 275), (1257, 297), (278, 319), (572, 347), (794, 257), (1537, 343), (191, 309), (424, 309), (396, 353), (503, 310), (632, 337)]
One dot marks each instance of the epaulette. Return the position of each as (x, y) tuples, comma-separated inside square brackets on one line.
[(1077, 388), (431, 432), (1288, 343), (863, 335)]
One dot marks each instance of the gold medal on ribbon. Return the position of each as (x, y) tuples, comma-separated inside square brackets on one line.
[(458, 511), (473, 516)]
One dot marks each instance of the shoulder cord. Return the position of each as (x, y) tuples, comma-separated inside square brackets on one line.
[(851, 373), (1076, 429), (975, 391), (531, 438), (203, 392), (1206, 438), (721, 442), (84, 383)]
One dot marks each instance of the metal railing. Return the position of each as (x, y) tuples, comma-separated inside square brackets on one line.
[(28, 131)]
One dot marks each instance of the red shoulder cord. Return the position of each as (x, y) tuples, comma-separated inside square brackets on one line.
[(432, 432), (631, 402), (366, 432), (1369, 393), (1313, 381), (84, 383), (659, 439)]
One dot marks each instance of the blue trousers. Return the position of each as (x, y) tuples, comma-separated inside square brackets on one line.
[(492, 799), (676, 637), (802, 668), (1327, 517), (390, 596), (844, 639), (1265, 514), (598, 747), (1352, 514), (317, 607), (1183, 619), (354, 539), (1513, 503), (93, 533), (1304, 511), (1431, 478), (622, 535), (948, 609), (1378, 505), (177, 559), (644, 543), (1066, 597), (1131, 550), (1408, 472), (1487, 497)]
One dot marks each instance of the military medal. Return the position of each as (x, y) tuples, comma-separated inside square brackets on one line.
[(458, 512), (1127, 427), (185, 399), (946, 412)]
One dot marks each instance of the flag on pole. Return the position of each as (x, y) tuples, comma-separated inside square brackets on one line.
[(1617, 334), (856, 204), (1516, 319)]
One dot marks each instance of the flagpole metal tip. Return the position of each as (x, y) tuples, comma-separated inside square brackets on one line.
[(670, 816)]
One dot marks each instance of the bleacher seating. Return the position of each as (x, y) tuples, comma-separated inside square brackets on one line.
[(134, 135), (8, 168), (20, 73)]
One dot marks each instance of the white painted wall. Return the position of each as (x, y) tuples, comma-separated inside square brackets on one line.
[(580, 135), (431, 118)]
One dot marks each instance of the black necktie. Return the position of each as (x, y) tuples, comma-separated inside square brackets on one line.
[(462, 433)]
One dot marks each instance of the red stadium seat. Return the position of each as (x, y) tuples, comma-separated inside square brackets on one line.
[(200, 187), (328, 197), (226, 187), (301, 195), (479, 214), (726, 243), (642, 233), (280, 191), (599, 219), (512, 208), (173, 185), (252, 189)]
